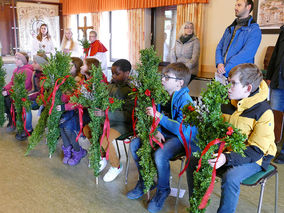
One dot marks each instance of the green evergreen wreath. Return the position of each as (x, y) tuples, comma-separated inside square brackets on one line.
[(94, 95), (207, 116), (2, 84), (148, 90), (57, 80), (19, 95)]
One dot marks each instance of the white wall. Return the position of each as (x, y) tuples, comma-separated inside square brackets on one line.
[(218, 15)]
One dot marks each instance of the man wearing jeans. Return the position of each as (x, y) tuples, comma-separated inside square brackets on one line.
[(275, 79)]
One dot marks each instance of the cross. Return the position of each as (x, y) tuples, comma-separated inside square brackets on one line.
[(84, 29)]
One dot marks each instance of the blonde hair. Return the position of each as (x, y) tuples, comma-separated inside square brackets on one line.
[(64, 40), (181, 30)]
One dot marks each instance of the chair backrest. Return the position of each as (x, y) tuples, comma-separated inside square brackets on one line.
[(278, 125)]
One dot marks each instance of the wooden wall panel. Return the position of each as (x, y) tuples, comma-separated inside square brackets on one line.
[(6, 32)]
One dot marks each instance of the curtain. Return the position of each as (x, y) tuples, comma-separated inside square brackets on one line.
[(67, 21), (96, 18), (136, 23), (87, 6), (194, 13)]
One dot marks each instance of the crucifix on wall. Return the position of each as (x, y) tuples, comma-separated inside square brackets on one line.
[(85, 27)]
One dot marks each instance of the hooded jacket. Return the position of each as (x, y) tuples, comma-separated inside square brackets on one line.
[(179, 100), (28, 70), (255, 118), (243, 47)]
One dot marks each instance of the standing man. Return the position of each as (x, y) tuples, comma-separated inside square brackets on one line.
[(275, 80), (240, 40), (97, 50)]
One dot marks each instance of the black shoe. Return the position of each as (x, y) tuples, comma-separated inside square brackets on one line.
[(279, 159), (23, 135)]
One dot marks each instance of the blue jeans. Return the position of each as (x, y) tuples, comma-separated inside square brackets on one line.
[(231, 182), (172, 147), (277, 99), (29, 119), (69, 138)]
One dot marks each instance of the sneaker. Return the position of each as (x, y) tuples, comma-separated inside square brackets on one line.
[(138, 191), (103, 164), (279, 159), (157, 202), (10, 128), (112, 173)]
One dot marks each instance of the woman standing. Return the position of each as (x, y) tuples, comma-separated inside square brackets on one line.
[(187, 48), (43, 42), (68, 45)]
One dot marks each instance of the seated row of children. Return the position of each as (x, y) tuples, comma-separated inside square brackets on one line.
[(248, 111)]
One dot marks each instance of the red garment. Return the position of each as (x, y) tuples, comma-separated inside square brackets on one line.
[(96, 47)]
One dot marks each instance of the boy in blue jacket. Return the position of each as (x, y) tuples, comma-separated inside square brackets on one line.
[(175, 79)]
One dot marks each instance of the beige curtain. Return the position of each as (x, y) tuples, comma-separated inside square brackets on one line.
[(136, 23), (96, 18), (194, 13), (67, 21)]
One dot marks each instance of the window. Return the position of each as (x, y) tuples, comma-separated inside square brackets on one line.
[(164, 21), (118, 35)]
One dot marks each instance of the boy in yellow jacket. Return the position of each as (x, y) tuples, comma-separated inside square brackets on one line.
[(250, 112)]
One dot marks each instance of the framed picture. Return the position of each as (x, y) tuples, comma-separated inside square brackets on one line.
[(269, 14)]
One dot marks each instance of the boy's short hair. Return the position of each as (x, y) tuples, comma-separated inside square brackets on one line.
[(123, 65), (180, 70), (248, 74)]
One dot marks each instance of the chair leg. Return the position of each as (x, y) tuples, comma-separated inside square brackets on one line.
[(276, 192), (118, 149), (179, 182), (125, 151), (127, 165), (261, 196)]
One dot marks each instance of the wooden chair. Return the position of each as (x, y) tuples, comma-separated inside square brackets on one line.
[(262, 176)]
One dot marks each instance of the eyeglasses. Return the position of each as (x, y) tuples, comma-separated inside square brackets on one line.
[(169, 77)]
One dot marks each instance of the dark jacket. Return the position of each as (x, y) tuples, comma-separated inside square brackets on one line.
[(243, 47), (120, 120), (275, 70)]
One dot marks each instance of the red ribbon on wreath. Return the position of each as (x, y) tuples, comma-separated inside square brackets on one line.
[(80, 110), (187, 147), (106, 129), (12, 111), (24, 117), (56, 87), (155, 123), (43, 78), (220, 150)]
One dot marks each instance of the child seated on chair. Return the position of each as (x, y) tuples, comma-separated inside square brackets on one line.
[(120, 120), (21, 61), (69, 122), (250, 112), (175, 78)]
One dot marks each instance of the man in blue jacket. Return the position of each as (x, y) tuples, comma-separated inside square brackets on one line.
[(240, 40), (175, 79)]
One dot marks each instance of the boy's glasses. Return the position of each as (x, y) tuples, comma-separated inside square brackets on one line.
[(169, 77)]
